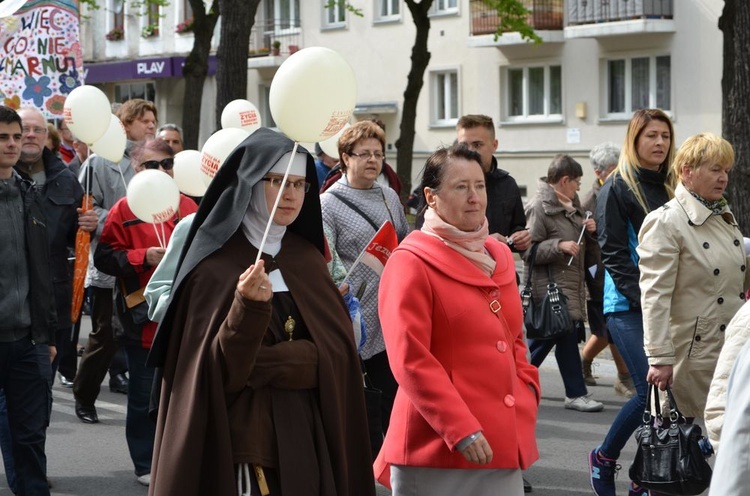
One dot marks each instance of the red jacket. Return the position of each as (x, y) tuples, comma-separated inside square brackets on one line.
[(122, 249), (460, 366)]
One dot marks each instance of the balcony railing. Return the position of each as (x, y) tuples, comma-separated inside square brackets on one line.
[(543, 15), (286, 32), (596, 11)]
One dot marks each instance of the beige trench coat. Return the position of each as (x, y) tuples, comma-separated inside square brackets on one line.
[(693, 276)]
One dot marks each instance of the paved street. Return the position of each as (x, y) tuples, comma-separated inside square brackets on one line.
[(92, 460)]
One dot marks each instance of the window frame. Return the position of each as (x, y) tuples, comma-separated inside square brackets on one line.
[(185, 11), (436, 11), (391, 17), (295, 23), (146, 83), (526, 117), (151, 16), (339, 9), (116, 20), (653, 87), (434, 79)]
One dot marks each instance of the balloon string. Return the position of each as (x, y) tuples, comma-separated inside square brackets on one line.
[(156, 231), (276, 203), (163, 236)]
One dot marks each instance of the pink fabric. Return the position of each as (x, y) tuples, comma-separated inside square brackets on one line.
[(468, 244)]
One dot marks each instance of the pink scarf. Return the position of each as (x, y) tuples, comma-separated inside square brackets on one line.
[(468, 244)]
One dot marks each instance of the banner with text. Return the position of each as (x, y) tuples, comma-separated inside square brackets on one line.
[(40, 56)]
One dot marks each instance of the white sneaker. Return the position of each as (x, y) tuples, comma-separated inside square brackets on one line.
[(583, 404), (144, 480)]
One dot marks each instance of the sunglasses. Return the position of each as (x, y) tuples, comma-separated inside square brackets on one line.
[(165, 164)]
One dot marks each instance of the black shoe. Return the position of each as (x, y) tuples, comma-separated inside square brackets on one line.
[(526, 486), (119, 384), (87, 414)]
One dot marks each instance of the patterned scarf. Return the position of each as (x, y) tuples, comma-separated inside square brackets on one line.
[(716, 207), (468, 244)]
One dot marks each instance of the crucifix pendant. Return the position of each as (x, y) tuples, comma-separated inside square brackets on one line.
[(289, 326)]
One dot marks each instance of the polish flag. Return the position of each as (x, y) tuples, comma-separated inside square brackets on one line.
[(379, 249)]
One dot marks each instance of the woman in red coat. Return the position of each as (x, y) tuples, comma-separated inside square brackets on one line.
[(465, 412)]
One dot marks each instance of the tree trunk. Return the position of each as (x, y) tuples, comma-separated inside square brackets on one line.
[(420, 58), (735, 86), (196, 69), (231, 73)]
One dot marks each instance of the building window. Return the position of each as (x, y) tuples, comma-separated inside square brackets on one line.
[(150, 21), (534, 92), (445, 93), (638, 82), (128, 91), (443, 7), (335, 15), (117, 11), (186, 11), (284, 14), (387, 10), (265, 107)]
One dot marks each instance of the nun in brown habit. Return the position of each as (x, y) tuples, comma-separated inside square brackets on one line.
[(261, 390)]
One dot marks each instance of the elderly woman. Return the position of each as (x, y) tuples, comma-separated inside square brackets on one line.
[(691, 247), (354, 208), (129, 250), (641, 183), (465, 412), (603, 158), (556, 219), (262, 389)]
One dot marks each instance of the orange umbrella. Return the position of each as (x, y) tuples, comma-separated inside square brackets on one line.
[(83, 246)]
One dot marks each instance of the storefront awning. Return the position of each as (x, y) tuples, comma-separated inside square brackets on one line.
[(151, 68)]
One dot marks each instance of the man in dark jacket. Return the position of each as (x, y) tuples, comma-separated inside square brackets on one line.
[(27, 313), (61, 195), (505, 216)]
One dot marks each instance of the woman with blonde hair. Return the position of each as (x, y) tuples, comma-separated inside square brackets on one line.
[(691, 247), (642, 182)]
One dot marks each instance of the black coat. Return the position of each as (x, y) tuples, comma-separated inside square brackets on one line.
[(37, 246), (61, 195)]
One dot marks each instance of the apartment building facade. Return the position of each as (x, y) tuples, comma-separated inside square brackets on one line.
[(599, 61)]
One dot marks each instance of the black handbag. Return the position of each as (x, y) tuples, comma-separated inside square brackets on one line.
[(549, 319), (669, 458)]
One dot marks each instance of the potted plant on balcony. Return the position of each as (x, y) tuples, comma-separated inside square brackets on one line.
[(293, 49), (276, 48), (185, 26), (115, 34), (150, 31)]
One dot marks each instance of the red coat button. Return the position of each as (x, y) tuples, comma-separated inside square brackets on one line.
[(501, 346), (509, 400)]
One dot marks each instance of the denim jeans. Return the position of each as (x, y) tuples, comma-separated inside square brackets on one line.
[(568, 361), (24, 377), (626, 329), (5, 444), (140, 430)]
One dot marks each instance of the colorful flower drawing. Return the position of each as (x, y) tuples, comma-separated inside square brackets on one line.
[(55, 104), (13, 102), (37, 90), (69, 81)]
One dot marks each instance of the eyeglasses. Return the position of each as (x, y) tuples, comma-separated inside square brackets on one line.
[(165, 164), (300, 185), (35, 130), (368, 155)]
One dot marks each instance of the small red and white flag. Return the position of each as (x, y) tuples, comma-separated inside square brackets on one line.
[(379, 249)]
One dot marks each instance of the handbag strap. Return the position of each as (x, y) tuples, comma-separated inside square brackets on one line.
[(532, 257), (356, 209), (675, 415)]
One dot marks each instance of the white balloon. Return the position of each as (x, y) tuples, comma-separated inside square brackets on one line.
[(9, 7), (313, 94), (153, 196), (87, 113), (112, 145), (217, 148), (187, 173), (331, 145), (242, 115)]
